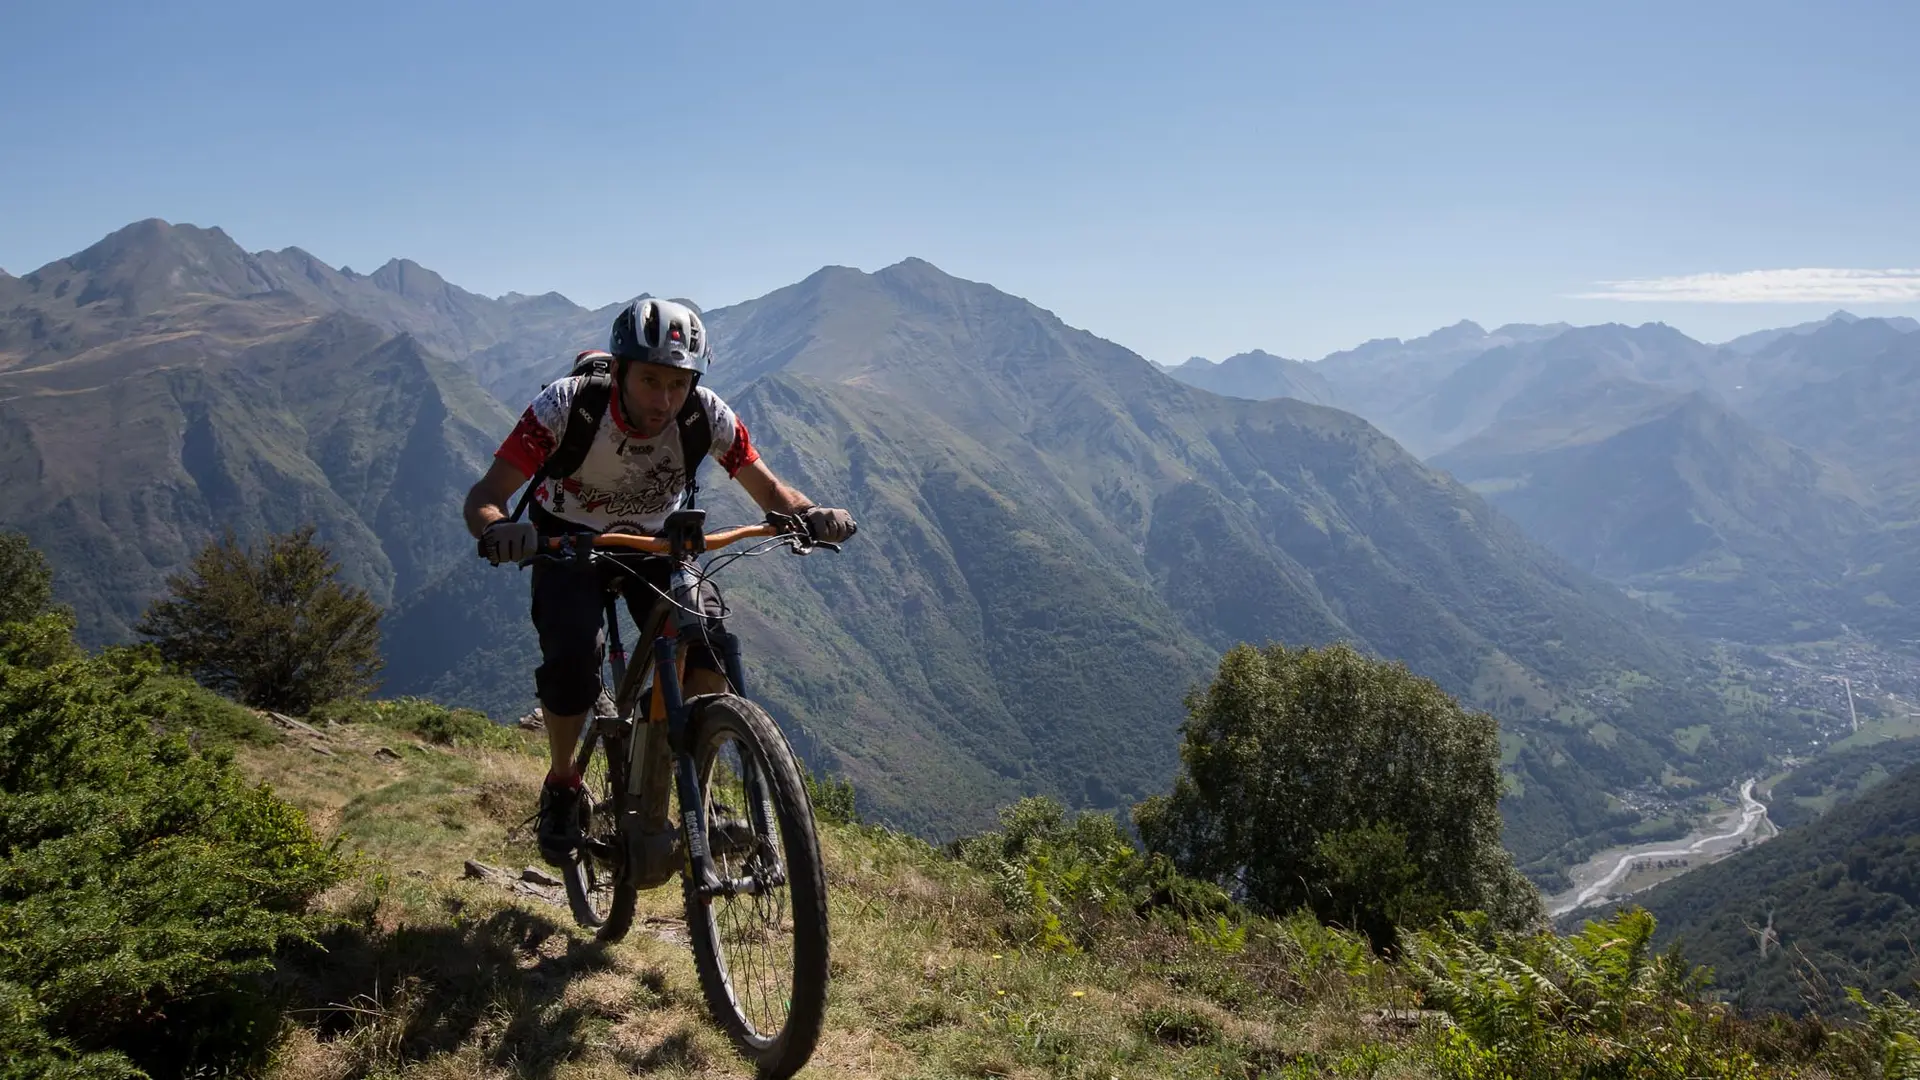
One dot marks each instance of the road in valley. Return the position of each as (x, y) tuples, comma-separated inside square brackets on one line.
[(1753, 816)]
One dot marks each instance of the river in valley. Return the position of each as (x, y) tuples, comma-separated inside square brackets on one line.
[(1595, 879)]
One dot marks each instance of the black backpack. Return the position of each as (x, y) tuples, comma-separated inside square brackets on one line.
[(590, 404)]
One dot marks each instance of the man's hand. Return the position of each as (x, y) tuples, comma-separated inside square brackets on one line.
[(508, 541), (828, 524)]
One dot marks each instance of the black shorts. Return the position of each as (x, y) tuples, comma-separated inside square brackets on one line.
[(568, 602)]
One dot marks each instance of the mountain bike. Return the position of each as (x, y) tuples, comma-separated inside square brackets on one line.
[(744, 845)]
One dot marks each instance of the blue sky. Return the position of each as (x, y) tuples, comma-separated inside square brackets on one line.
[(1184, 179)]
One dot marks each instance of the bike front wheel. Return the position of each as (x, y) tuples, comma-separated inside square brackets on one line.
[(761, 952)]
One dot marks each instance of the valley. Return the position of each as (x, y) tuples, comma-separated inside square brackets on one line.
[(1620, 872)]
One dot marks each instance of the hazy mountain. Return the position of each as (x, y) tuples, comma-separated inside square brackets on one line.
[(1851, 390), (156, 389), (1748, 344), (1257, 376), (1680, 499), (1558, 373), (1841, 895), (1761, 492), (1383, 378), (1057, 538), (1860, 408)]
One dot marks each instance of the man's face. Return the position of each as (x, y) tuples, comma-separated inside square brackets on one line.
[(654, 394)]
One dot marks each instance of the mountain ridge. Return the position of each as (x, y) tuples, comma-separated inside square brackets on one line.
[(1045, 485)]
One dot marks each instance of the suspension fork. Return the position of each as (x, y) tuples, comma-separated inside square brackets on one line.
[(686, 538)]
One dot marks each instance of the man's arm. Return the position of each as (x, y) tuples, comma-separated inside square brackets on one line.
[(824, 523), (487, 500), (768, 492)]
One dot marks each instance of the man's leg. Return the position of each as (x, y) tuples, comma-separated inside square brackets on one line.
[(567, 606), (563, 738)]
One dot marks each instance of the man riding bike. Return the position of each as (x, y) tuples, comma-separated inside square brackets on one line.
[(632, 475)]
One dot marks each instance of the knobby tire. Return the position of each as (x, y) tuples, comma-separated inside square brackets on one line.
[(599, 892), (716, 721)]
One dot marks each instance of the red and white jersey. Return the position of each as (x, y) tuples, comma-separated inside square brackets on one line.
[(626, 482)]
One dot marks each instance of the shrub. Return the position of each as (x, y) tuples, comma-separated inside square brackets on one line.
[(1597, 1003), (272, 628), (26, 582), (1327, 779), (833, 799), (419, 716), (140, 879), (1061, 881)]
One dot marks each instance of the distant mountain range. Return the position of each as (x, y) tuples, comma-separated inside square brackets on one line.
[(1058, 537), (1766, 489), (1257, 376)]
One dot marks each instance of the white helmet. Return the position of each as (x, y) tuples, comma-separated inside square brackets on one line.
[(660, 332)]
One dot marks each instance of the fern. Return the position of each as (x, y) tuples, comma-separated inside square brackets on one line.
[(1598, 1003)]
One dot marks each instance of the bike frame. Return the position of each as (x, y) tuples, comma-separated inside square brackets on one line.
[(685, 541)]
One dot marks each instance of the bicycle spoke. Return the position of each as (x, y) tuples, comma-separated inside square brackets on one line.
[(755, 931)]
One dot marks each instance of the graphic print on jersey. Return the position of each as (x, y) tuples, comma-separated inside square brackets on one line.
[(647, 494), (624, 480)]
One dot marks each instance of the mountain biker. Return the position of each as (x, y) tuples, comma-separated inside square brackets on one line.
[(631, 477)]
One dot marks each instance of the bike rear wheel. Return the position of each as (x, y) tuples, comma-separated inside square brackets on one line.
[(762, 957), (594, 879)]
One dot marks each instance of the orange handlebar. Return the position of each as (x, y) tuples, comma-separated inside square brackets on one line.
[(657, 545)]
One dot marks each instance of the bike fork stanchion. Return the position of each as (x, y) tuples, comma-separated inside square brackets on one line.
[(616, 652), (693, 810)]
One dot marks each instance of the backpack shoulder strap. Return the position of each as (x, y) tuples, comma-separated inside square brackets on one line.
[(583, 423), (696, 438)]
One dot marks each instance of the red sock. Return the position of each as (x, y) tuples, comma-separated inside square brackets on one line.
[(571, 780)]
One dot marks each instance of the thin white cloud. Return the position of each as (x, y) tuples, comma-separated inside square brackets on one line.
[(1806, 285)]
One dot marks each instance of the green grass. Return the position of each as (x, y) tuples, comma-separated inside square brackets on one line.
[(431, 976)]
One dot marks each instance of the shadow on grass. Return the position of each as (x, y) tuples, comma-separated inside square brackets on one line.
[(490, 986)]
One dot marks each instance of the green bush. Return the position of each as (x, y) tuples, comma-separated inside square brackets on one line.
[(141, 880), (1327, 779), (833, 799), (187, 707), (26, 582), (1062, 881), (1894, 1027), (1597, 1003), (419, 716), (273, 626)]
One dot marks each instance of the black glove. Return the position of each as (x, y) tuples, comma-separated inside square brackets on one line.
[(828, 524), (508, 541)]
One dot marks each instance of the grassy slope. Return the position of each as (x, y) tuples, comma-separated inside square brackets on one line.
[(434, 975)]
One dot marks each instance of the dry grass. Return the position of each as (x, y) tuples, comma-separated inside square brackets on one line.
[(433, 976)]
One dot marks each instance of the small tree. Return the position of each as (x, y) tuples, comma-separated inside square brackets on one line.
[(274, 629), (1324, 779), (26, 582)]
